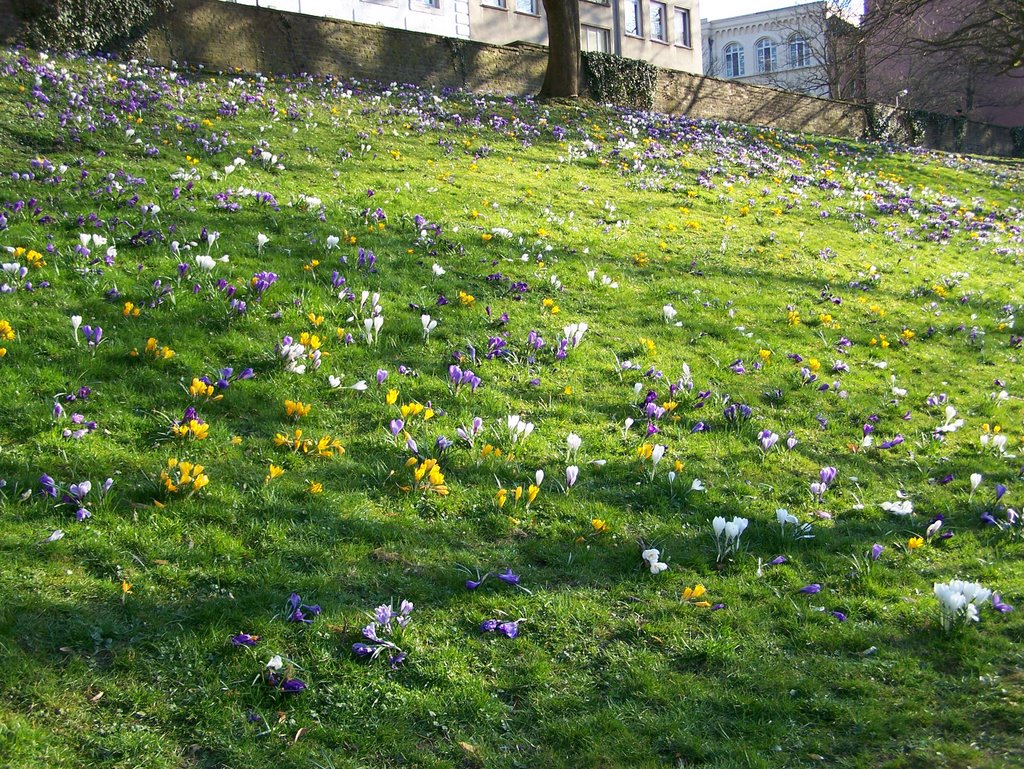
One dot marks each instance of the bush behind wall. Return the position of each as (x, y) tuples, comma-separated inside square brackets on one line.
[(86, 25)]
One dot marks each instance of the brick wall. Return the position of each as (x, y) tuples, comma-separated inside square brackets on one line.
[(226, 36)]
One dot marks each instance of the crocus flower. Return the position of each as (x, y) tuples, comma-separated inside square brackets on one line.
[(876, 551), (245, 639), (48, 487), (571, 474), (999, 605), (508, 577), (292, 686), (297, 609), (509, 629), (767, 439), (810, 589)]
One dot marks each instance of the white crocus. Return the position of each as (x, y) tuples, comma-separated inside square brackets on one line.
[(429, 324), (653, 558), (959, 599), (904, 507)]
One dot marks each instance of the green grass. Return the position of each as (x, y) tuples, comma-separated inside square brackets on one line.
[(733, 227)]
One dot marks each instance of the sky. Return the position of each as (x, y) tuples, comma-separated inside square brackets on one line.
[(724, 9)]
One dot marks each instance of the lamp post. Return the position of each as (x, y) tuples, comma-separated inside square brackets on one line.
[(904, 92)]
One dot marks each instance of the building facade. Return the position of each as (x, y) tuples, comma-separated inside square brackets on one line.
[(449, 18), (787, 48), (665, 33)]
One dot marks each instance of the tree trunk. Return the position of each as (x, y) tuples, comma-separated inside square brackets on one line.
[(562, 78)]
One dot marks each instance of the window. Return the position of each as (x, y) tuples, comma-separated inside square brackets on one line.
[(526, 6), (766, 61), (683, 27), (659, 29), (596, 39), (493, 4), (799, 52), (734, 60), (634, 25)]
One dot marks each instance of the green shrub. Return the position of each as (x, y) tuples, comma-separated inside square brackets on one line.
[(626, 82), (87, 25)]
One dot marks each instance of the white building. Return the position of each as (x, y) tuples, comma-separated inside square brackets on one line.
[(787, 48), (664, 32), (448, 18)]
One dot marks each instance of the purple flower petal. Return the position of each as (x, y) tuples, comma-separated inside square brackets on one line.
[(811, 589), (508, 577), (998, 605), (293, 686)]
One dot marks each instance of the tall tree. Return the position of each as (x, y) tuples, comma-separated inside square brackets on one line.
[(988, 32), (959, 57), (562, 78)]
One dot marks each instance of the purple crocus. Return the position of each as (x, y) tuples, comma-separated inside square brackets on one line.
[(777, 561), (488, 626), (293, 686), (48, 487), (1000, 491), (244, 639), (892, 443), (827, 475), (999, 605), (839, 616), (767, 439), (297, 610), (876, 551), (509, 629), (508, 577), (810, 589)]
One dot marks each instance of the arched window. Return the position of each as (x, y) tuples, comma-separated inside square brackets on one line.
[(733, 54), (766, 59), (799, 51)]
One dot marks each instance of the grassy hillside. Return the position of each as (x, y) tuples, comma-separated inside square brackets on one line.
[(366, 345)]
